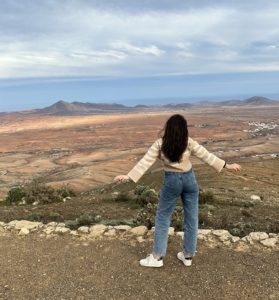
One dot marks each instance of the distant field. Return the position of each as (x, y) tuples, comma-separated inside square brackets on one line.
[(87, 151)]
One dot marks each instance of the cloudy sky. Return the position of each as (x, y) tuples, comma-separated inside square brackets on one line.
[(131, 51)]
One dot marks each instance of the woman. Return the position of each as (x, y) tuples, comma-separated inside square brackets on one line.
[(174, 150)]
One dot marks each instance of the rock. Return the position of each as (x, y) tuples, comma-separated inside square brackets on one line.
[(223, 235), (181, 234), (49, 230), (273, 235), (140, 239), (255, 198), (270, 242), (110, 233), (122, 227), (32, 226), (73, 232), (139, 230), (171, 231), (61, 230), (235, 239), (12, 224), (51, 224), (204, 231), (83, 229), (227, 243), (61, 225), (258, 236), (24, 231), (2, 224), (97, 230), (220, 232)]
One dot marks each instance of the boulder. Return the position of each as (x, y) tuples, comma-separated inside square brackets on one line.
[(139, 230), (83, 229), (32, 226), (97, 230), (258, 236), (122, 227), (270, 242)]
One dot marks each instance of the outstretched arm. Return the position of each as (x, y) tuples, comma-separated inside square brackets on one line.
[(143, 165), (217, 163)]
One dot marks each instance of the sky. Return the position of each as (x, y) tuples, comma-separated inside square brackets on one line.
[(136, 52)]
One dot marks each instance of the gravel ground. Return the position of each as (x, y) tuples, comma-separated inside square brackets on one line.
[(65, 267)]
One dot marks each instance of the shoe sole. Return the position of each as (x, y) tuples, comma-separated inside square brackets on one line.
[(151, 266), (185, 264)]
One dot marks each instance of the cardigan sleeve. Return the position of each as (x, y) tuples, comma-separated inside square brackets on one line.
[(145, 163), (207, 157)]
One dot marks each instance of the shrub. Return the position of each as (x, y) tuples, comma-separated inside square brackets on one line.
[(248, 204), (122, 197), (140, 189), (37, 192), (146, 196), (15, 195), (206, 197)]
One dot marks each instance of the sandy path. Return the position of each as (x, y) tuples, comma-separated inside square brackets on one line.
[(68, 268)]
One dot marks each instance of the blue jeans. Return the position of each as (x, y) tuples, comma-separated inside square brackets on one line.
[(177, 184)]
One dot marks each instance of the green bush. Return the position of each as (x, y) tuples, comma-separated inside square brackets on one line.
[(37, 192), (206, 197), (15, 195)]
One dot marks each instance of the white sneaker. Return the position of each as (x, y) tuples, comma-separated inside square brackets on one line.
[(187, 261), (150, 261)]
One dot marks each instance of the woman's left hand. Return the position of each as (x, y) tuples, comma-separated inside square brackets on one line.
[(121, 178)]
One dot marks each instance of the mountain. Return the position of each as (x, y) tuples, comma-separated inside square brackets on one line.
[(256, 100), (79, 108)]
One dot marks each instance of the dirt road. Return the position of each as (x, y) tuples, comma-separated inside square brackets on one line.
[(65, 267)]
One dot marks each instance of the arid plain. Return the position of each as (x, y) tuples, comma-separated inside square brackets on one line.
[(86, 151)]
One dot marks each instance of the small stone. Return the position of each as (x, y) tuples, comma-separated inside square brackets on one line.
[(97, 230), (122, 227), (83, 229), (255, 198), (270, 242), (110, 233), (139, 230), (61, 225), (171, 231), (24, 231), (273, 235), (12, 223), (62, 230), (181, 234), (258, 236)]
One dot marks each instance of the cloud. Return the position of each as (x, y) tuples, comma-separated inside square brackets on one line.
[(135, 38)]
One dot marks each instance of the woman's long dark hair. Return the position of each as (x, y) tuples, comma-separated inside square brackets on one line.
[(175, 138)]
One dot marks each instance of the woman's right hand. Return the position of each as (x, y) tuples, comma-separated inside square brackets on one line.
[(233, 167)]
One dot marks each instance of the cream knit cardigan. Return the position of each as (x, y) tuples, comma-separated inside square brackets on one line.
[(154, 153)]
